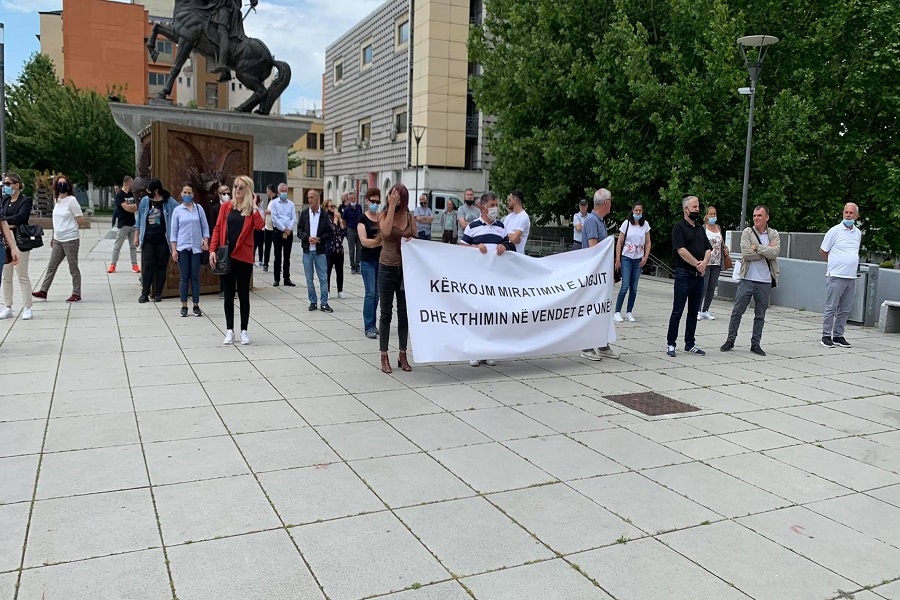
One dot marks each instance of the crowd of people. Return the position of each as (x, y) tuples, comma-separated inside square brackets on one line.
[(250, 228)]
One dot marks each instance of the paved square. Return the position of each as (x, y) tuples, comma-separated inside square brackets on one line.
[(142, 459)]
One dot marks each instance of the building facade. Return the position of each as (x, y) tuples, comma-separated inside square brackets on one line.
[(404, 70), (310, 175)]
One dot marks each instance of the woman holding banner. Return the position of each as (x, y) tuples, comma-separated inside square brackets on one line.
[(395, 223)]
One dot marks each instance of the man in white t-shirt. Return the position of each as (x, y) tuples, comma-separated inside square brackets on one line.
[(841, 249), (517, 222)]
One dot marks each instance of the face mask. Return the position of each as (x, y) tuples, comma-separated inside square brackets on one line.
[(638, 217), (283, 195), (470, 202), (62, 187), (493, 212), (694, 216), (848, 222), (226, 197), (185, 199), (7, 190), (353, 203), (374, 206), (711, 220), (422, 204)]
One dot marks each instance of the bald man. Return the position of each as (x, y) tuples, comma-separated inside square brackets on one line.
[(841, 249)]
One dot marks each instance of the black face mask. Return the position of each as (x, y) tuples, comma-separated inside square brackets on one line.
[(470, 202), (62, 187), (694, 216)]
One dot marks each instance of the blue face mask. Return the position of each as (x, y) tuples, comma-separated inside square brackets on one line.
[(7, 190), (374, 206), (712, 220), (185, 199), (848, 222), (283, 195), (636, 217)]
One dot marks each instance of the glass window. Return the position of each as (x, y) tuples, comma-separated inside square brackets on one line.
[(365, 132), (338, 139), (212, 95), (400, 122), (311, 141), (156, 79), (338, 71), (367, 54), (403, 33), (164, 47), (189, 82), (311, 169), (321, 141)]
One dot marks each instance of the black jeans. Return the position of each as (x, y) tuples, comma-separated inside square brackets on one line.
[(390, 282), (239, 277), (710, 281), (154, 264), (267, 245), (688, 289), (336, 261), (282, 247)]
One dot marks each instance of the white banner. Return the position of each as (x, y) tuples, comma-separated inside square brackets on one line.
[(466, 305)]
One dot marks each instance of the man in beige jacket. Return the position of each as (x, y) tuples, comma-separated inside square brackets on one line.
[(760, 246)]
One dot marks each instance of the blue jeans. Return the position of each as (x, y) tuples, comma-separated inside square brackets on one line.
[(424, 235), (688, 289), (631, 273), (189, 269), (369, 271), (319, 261)]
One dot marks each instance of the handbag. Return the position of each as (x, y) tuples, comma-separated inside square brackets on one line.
[(223, 256), (768, 262), (28, 236)]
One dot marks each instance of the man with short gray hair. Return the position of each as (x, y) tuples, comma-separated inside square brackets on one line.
[(594, 232), (692, 251), (841, 249)]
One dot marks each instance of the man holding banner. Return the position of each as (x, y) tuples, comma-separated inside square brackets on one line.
[(488, 229), (593, 232)]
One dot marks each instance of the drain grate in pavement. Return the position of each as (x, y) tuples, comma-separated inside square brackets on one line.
[(652, 404)]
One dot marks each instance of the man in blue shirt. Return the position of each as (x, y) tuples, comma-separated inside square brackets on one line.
[(284, 221), (351, 214), (594, 232)]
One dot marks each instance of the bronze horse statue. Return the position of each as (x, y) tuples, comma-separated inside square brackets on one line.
[(248, 57)]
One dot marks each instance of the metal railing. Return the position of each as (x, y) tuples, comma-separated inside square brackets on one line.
[(472, 126)]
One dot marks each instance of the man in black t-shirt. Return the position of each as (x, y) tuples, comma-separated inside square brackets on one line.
[(125, 210), (692, 251)]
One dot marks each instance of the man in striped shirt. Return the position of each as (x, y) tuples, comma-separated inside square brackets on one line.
[(487, 230)]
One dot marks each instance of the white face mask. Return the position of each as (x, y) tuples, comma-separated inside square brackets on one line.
[(493, 212), (226, 198)]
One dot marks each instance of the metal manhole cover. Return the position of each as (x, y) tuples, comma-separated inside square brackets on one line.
[(652, 404)]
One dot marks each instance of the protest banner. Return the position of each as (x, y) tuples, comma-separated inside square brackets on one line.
[(464, 305)]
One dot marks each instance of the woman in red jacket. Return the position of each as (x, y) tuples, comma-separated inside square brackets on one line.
[(234, 227)]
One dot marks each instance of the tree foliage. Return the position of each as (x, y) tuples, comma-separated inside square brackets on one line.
[(56, 126), (640, 96)]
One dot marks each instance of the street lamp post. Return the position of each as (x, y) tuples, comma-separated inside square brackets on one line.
[(2, 105), (418, 132), (761, 43)]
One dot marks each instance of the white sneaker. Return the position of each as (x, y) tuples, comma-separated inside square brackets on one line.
[(245, 339), (6, 312), (491, 362), (709, 316), (617, 317), (700, 316), (26, 314), (591, 354), (229, 337), (629, 317), (607, 352), (474, 363), (342, 295)]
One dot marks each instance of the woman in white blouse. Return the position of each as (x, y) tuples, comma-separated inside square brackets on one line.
[(632, 253), (719, 252)]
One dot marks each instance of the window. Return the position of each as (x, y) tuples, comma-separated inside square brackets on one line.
[(189, 82), (365, 133), (164, 47), (180, 80), (156, 79), (402, 32), (338, 139), (212, 95), (321, 141), (400, 124), (338, 71), (311, 141), (365, 55), (232, 86), (311, 169)]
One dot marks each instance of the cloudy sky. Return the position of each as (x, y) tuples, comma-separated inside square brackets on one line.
[(294, 30)]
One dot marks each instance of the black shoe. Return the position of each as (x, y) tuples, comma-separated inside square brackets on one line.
[(757, 350), (276, 284), (840, 342), (326, 308), (265, 268), (827, 342), (157, 298), (197, 312), (144, 299), (221, 295), (313, 307), (728, 345), (289, 283), (184, 311)]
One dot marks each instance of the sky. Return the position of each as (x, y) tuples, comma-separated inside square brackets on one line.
[(297, 31)]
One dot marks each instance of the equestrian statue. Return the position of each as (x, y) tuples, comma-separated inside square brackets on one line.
[(215, 29)]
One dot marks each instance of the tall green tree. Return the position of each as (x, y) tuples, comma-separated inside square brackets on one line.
[(641, 97), (56, 126)]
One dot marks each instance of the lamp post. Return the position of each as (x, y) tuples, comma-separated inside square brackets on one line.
[(2, 105), (761, 43), (418, 132)]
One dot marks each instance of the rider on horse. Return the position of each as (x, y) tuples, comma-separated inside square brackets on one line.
[(225, 17)]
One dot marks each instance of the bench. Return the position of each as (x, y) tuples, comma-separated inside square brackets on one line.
[(889, 319)]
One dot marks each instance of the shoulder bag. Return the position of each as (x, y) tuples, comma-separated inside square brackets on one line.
[(768, 262), (28, 236), (223, 255), (727, 263)]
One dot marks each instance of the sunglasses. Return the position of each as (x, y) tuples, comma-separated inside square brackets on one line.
[(239, 188)]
